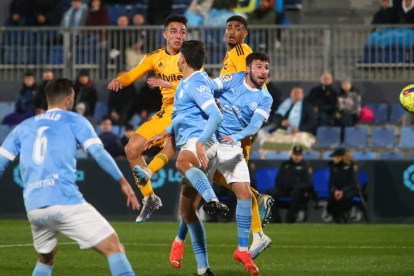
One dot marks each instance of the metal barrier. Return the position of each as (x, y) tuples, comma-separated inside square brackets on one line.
[(297, 53)]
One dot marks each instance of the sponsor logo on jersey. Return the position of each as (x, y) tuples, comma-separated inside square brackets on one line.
[(160, 64), (226, 78), (171, 77), (253, 105)]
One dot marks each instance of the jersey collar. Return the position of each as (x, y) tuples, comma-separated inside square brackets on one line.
[(191, 76), (54, 109), (248, 87), (169, 53)]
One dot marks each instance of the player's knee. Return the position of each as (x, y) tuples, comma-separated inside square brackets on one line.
[(181, 167)]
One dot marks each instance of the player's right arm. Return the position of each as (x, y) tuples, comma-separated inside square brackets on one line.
[(128, 78), (9, 150), (87, 137)]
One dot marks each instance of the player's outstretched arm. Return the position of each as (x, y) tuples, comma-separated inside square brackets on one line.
[(255, 124), (115, 85), (107, 163), (159, 83)]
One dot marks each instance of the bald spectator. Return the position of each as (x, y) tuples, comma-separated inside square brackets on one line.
[(294, 114), (324, 100)]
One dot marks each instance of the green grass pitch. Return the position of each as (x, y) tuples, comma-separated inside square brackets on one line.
[(301, 249)]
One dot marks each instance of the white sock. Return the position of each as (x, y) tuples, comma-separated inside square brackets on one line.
[(177, 239), (213, 199), (201, 270), (257, 236), (242, 248)]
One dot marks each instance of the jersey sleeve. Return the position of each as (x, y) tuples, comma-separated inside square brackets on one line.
[(202, 94), (238, 58), (84, 133), (11, 146), (223, 83), (264, 107), (139, 71)]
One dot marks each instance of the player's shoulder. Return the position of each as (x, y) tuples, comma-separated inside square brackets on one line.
[(235, 77), (241, 50), (156, 53), (266, 93)]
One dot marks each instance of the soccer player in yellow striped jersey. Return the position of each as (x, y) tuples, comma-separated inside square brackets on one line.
[(164, 63)]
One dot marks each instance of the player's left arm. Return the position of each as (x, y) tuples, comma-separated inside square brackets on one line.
[(9, 150)]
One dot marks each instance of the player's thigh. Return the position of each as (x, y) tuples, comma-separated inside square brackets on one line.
[(232, 164), (156, 124), (109, 246), (85, 225), (188, 154)]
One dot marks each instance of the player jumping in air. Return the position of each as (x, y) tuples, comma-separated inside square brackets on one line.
[(53, 202), (164, 63)]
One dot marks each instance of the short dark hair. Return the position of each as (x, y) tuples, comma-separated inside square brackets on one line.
[(256, 56), (194, 52), (129, 127), (28, 74), (57, 90), (175, 18), (105, 118), (238, 18)]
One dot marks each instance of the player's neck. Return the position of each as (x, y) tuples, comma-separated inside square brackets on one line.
[(250, 83), (63, 107), (171, 51), (187, 72)]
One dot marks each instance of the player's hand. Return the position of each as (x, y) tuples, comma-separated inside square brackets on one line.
[(115, 85), (159, 83), (228, 140), (129, 194), (294, 131), (219, 105), (155, 139), (201, 154)]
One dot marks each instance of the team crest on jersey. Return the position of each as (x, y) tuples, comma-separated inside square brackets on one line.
[(226, 78), (253, 106)]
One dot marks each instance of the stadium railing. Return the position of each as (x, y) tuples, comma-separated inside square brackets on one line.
[(297, 52)]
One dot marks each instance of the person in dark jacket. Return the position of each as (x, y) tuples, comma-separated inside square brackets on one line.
[(324, 100), (121, 105), (342, 185), (158, 10), (40, 101), (98, 14), (46, 12), (24, 101), (407, 12), (19, 11), (386, 15), (149, 100), (85, 92), (294, 180), (109, 140), (275, 93), (295, 114)]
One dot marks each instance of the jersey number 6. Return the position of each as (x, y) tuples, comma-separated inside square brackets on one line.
[(39, 147)]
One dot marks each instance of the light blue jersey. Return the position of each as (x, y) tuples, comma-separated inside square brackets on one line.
[(239, 103), (47, 144), (192, 97)]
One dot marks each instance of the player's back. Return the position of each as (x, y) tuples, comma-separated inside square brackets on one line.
[(48, 144), (192, 96)]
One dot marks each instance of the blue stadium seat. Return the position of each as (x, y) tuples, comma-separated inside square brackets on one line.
[(326, 155), (383, 137), (311, 155), (321, 182), (364, 155), (278, 155), (363, 179), (383, 54), (380, 112), (101, 109), (255, 155), (266, 178), (406, 139), (4, 131), (355, 137), (397, 112), (328, 137), (392, 156), (5, 109)]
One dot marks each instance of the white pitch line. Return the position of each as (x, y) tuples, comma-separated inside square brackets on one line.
[(228, 245)]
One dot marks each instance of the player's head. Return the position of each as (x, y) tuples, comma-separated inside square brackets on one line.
[(257, 68), (236, 30), (192, 54), (59, 93), (175, 31)]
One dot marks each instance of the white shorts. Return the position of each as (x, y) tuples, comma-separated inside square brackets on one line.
[(231, 163), (81, 222)]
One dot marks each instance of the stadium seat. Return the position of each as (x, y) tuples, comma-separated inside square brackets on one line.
[(380, 112), (406, 139), (321, 182), (4, 131), (5, 109), (278, 155), (363, 179), (266, 179), (383, 137), (326, 155), (311, 155), (355, 137), (364, 155), (101, 109), (255, 155), (392, 156), (410, 155), (328, 137), (383, 54), (397, 112)]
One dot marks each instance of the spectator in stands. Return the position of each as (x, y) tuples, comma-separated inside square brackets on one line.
[(138, 20), (129, 131), (220, 12), (407, 13), (342, 185), (76, 15), (40, 101), (324, 100), (349, 104), (386, 15), (294, 180), (197, 12), (80, 108), (109, 140), (98, 14), (265, 14), (140, 35), (148, 100), (121, 104), (276, 94), (158, 10), (46, 12), (19, 11), (295, 114), (85, 92)]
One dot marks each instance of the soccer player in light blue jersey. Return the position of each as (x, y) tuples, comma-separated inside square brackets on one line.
[(47, 144)]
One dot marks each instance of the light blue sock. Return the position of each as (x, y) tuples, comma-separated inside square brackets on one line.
[(198, 239), (182, 230), (244, 221), (119, 265), (42, 270), (200, 182)]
